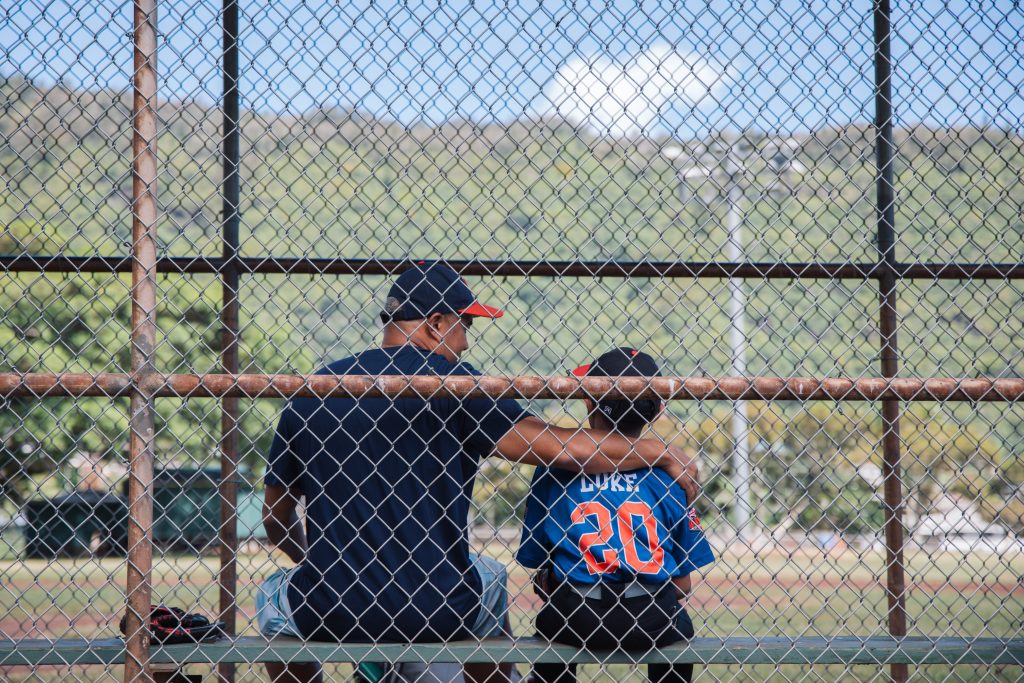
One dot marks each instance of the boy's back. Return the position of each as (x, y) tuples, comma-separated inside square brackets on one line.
[(612, 528)]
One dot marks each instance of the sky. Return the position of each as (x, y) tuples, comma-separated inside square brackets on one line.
[(616, 68)]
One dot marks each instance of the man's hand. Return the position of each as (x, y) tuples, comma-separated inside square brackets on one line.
[(682, 467)]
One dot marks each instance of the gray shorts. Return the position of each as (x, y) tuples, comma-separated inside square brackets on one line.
[(275, 618)]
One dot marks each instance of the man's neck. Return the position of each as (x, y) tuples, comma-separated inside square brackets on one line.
[(389, 342), (395, 336)]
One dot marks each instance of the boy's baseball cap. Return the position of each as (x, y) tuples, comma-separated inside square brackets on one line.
[(624, 362), (429, 287)]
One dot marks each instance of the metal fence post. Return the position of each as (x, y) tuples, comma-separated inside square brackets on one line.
[(143, 343), (228, 578), (888, 323)]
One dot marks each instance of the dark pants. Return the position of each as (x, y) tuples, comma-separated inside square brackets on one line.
[(614, 624)]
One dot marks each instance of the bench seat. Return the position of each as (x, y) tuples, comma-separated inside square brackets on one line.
[(768, 650)]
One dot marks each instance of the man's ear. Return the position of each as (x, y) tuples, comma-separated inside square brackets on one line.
[(433, 326)]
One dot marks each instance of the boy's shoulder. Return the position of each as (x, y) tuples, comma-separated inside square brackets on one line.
[(667, 486), (654, 477), (653, 483)]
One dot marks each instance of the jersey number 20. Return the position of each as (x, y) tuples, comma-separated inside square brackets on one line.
[(624, 521)]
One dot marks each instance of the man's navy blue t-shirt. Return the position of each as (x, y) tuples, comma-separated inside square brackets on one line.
[(387, 485)]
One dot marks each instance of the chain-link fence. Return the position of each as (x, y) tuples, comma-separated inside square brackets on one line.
[(808, 216)]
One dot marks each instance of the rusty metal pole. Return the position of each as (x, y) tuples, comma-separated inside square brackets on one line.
[(43, 385), (228, 576), (143, 344), (888, 324)]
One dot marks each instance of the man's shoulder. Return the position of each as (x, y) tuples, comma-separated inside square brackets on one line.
[(342, 366), (405, 359), (462, 368)]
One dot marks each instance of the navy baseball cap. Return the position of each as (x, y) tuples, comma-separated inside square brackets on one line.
[(624, 362), (429, 287)]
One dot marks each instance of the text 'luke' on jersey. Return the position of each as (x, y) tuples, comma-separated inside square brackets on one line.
[(614, 527)]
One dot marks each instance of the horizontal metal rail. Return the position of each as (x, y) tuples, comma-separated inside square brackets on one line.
[(512, 268), (870, 650), (42, 385)]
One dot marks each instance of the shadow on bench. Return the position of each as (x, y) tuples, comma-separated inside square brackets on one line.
[(769, 650)]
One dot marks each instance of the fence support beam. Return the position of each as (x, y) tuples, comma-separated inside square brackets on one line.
[(888, 323), (301, 265), (143, 343), (43, 385), (228, 576)]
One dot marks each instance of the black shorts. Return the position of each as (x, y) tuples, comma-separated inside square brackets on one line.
[(630, 624)]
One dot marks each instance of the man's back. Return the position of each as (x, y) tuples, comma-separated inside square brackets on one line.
[(387, 486)]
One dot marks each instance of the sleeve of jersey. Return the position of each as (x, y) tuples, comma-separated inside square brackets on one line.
[(486, 420), (533, 551), (283, 467), (691, 549)]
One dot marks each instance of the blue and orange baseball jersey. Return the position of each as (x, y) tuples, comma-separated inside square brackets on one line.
[(612, 527)]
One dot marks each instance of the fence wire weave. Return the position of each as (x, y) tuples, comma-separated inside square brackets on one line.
[(810, 217)]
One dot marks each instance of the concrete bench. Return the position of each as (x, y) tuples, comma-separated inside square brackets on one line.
[(875, 650)]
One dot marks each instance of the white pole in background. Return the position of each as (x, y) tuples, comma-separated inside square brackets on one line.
[(740, 427), (731, 168)]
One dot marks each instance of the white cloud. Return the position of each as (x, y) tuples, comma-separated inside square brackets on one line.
[(625, 98)]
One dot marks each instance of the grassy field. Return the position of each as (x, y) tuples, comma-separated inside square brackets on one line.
[(768, 593)]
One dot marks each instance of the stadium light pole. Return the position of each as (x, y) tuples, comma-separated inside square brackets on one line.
[(740, 427), (734, 169)]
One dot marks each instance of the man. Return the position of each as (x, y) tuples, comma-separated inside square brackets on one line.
[(386, 484), (615, 551)]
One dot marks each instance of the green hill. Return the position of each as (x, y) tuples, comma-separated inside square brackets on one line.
[(338, 183)]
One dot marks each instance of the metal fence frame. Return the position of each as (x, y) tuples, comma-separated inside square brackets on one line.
[(144, 384)]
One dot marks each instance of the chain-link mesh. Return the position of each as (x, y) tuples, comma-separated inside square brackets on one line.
[(660, 145)]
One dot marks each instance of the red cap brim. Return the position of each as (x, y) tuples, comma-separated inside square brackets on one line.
[(482, 310), (582, 370)]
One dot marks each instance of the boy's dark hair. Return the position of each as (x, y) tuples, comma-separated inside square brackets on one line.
[(625, 416)]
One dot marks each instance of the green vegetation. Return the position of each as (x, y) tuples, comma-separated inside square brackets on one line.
[(334, 183)]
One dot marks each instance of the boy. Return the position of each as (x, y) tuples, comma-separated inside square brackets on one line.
[(615, 552)]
